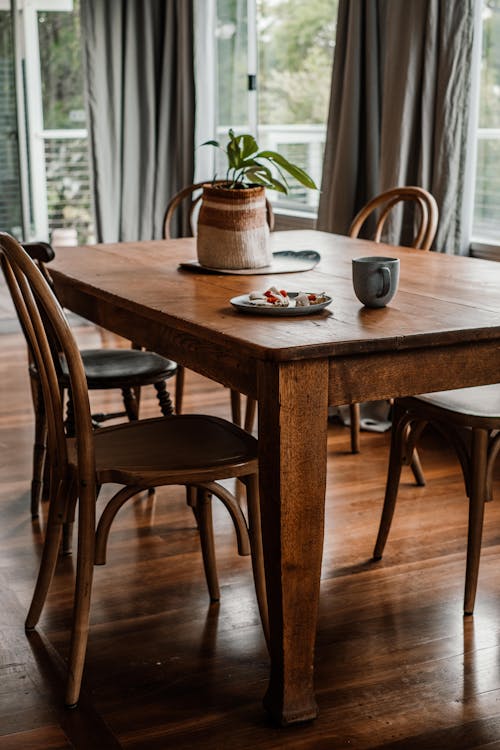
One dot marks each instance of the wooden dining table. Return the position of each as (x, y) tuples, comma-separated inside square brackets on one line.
[(441, 331)]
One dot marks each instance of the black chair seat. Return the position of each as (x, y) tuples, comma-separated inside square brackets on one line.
[(115, 368)]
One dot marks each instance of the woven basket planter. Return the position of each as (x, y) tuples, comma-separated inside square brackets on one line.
[(232, 228)]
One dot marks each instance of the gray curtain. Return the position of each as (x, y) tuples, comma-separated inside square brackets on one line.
[(399, 110), (138, 59)]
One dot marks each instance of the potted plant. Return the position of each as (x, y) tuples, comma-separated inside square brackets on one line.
[(232, 225)]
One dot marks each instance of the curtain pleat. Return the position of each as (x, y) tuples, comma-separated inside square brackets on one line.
[(140, 93), (399, 110)]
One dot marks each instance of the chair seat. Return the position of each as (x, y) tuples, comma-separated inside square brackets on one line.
[(159, 450), (115, 368), (480, 402)]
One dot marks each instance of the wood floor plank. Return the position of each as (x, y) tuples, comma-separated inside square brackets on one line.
[(49, 738), (397, 666)]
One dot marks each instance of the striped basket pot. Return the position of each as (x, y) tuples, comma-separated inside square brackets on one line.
[(232, 228)]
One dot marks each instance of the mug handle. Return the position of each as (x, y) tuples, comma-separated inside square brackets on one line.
[(386, 281)]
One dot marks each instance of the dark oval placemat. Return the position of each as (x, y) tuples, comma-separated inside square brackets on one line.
[(284, 261)]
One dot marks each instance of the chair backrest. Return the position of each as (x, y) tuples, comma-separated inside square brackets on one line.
[(189, 192), (425, 219), (38, 309), (41, 253)]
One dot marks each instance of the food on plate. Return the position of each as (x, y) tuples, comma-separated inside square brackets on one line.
[(274, 297)]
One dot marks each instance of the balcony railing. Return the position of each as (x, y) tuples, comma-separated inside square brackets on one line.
[(69, 198), (69, 194), (486, 224)]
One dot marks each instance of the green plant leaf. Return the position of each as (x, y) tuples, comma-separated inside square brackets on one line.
[(299, 174), (248, 146), (259, 169), (277, 185), (263, 176), (233, 153), (282, 176), (244, 167)]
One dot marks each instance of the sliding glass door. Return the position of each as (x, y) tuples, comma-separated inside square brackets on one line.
[(43, 137), (11, 219)]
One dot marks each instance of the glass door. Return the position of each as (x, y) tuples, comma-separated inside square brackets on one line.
[(44, 166), (10, 181)]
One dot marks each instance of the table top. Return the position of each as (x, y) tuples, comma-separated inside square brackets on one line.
[(441, 298)]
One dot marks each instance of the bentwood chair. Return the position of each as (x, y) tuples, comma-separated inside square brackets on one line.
[(469, 418), (105, 369), (193, 194), (423, 225), (192, 450)]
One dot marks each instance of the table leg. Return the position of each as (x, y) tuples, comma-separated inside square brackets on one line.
[(293, 406)]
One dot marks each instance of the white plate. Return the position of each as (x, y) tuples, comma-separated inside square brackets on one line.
[(243, 304)]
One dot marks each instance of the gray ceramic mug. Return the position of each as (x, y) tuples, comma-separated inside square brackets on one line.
[(375, 280)]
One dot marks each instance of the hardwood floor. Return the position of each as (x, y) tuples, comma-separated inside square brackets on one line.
[(398, 667)]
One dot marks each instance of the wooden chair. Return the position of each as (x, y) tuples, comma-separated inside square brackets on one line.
[(470, 419), (193, 193), (425, 221), (191, 450), (105, 369)]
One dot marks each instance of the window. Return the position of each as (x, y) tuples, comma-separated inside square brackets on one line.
[(274, 61), (46, 113), (64, 123), (10, 187), (486, 221)]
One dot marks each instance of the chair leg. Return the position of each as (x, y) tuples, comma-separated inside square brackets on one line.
[(163, 397), (107, 517), (493, 451), (192, 501), (130, 404), (254, 530), (205, 525), (250, 414), (47, 479), (70, 417), (67, 539), (137, 388), (479, 453), (392, 485), (236, 407), (179, 388), (39, 452), (355, 427), (49, 554), (83, 591), (416, 468), (69, 518)]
